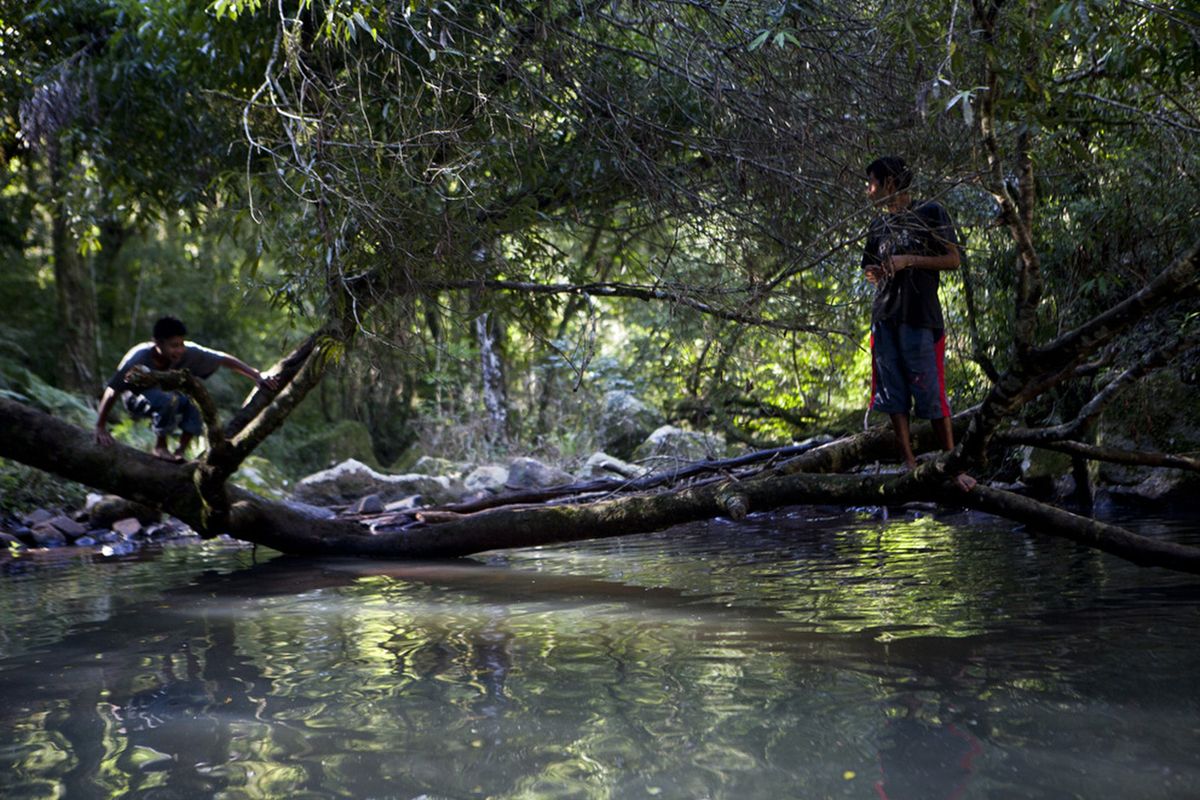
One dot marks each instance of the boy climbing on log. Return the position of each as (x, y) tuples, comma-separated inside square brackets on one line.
[(168, 410), (907, 248)]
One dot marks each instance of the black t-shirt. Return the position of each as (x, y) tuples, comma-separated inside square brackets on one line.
[(911, 295)]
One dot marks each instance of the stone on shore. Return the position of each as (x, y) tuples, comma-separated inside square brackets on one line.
[(625, 422), (105, 509), (68, 527), (127, 528), (529, 473), (489, 478), (44, 534), (670, 447), (602, 465), (351, 480), (371, 504)]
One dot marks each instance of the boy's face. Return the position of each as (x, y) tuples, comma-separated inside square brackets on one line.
[(170, 349), (879, 191)]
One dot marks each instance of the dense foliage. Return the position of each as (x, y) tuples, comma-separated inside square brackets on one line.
[(663, 196)]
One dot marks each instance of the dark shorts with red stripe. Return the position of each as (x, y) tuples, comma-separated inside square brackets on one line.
[(908, 370)]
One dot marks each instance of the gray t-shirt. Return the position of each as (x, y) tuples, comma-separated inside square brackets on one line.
[(197, 359)]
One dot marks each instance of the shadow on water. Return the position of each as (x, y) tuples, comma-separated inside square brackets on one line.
[(793, 655)]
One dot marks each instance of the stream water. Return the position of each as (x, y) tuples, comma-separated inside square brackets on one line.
[(802, 654)]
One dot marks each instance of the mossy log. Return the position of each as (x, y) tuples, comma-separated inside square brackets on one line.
[(42, 441)]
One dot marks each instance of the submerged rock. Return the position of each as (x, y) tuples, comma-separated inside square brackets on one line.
[(117, 549)]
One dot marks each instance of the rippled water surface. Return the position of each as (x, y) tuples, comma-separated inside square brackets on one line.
[(797, 655)]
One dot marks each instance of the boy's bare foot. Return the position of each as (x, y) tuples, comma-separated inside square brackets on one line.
[(964, 482), (167, 455)]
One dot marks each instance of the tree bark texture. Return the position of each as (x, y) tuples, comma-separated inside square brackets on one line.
[(76, 295), (40, 440)]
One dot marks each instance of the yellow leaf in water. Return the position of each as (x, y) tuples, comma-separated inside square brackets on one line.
[(849, 774)]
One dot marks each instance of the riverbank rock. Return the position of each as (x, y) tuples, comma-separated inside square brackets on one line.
[(625, 422), (404, 504), (432, 465), (1158, 416), (1162, 487), (36, 517), (45, 535), (127, 528), (105, 509), (529, 473), (489, 478), (601, 465), (371, 504), (670, 447), (80, 528), (69, 528), (351, 480)]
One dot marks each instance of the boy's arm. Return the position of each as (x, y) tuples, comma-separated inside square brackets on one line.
[(941, 228), (872, 269), (237, 365), (948, 260), (103, 437)]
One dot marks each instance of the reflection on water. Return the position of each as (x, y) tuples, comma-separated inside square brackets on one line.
[(791, 655)]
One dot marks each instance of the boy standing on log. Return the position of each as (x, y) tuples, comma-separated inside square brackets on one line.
[(907, 249), (168, 410)]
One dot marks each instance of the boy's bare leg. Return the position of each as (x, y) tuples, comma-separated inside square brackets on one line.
[(903, 441), (944, 430), (184, 440), (162, 450)]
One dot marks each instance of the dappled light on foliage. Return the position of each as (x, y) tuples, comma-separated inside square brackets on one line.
[(463, 227)]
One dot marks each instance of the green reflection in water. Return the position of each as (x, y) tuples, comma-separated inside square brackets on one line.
[(776, 658)]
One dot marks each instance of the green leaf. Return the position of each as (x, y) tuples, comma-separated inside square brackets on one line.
[(362, 23)]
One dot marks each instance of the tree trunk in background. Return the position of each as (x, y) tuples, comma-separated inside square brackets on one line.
[(76, 293), (42, 441), (495, 394), (383, 392), (116, 293)]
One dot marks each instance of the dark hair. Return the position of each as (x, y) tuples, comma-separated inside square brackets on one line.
[(166, 327), (890, 167)]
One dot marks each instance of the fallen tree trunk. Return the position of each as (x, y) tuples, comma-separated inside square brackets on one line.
[(42, 441)]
